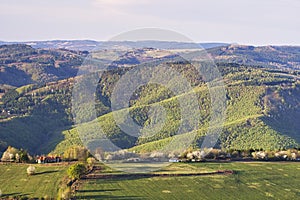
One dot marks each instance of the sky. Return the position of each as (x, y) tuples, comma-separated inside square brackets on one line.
[(255, 22)]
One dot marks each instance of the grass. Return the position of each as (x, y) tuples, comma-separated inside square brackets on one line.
[(14, 181), (252, 180)]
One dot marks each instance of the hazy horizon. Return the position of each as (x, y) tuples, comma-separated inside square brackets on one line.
[(269, 22), (198, 42)]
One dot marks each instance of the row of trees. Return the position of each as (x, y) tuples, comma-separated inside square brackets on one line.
[(78, 153), (217, 154), (75, 153)]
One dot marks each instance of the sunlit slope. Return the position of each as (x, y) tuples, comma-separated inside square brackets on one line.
[(254, 105)]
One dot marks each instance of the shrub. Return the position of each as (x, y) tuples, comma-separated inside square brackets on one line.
[(91, 161), (64, 193), (46, 197), (76, 171), (23, 156), (31, 170)]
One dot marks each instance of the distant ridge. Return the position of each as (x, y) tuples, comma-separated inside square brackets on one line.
[(89, 45)]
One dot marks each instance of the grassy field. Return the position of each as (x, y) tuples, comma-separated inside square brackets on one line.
[(253, 180), (14, 181)]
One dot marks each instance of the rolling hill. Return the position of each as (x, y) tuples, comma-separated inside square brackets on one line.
[(90, 45), (262, 99), (282, 57), (22, 65), (256, 114)]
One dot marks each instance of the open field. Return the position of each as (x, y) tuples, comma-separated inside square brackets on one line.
[(14, 181), (252, 180)]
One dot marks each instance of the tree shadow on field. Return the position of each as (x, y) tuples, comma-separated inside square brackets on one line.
[(14, 194), (108, 190), (109, 197), (100, 194), (238, 172), (46, 172), (10, 194)]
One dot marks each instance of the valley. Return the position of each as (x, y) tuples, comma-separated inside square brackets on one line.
[(261, 117)]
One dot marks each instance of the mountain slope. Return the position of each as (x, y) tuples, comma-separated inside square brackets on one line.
[(262, 103), (253, 109)]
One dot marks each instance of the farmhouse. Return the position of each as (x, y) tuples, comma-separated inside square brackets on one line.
[(48, 159)]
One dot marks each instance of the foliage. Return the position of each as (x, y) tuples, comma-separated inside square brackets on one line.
[(76, 153), (22, 64), (248, 109), (9, 154), (64, 193), (257, 99), (283, 57), (13, 154), (91, 161), (76, 171)]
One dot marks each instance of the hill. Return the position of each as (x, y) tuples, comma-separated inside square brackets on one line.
[(282, 57), (256, 111), (33, 116), (22, 65), (262, 102)]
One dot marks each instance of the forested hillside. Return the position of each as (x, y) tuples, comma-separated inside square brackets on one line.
[(282, 57), (21, 64), (262, 102), (254, 108)]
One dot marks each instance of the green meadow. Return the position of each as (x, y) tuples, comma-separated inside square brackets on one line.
[(15, 183), (251, 180)]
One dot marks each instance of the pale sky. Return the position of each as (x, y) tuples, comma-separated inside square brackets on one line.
[(257, 22)]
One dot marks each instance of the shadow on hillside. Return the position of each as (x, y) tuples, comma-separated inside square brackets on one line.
[(285, 122), (44, 131), (285, 113)]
